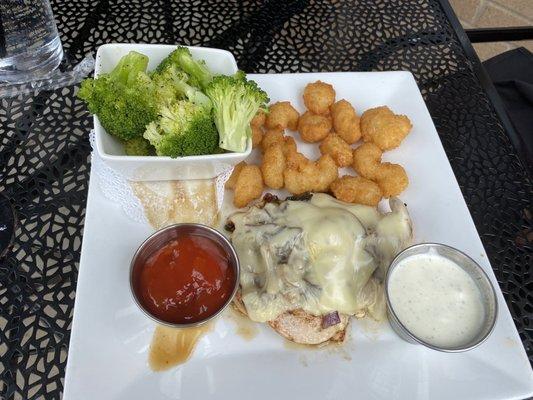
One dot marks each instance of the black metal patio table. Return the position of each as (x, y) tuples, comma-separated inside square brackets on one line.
[(45, 163)]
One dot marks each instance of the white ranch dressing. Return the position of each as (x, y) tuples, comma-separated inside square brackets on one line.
[(436, 300)]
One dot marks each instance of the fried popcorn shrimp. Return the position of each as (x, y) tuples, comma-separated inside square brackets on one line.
[(273, 166), (318, 97), (306, 176), (392, 179), (258, 119), (275, 136), (232, 180), (313, 127), (356, 189), (338, 149), (257, 135), (301, 177), (282, 115), (272, 136), (328, 172), (249, 186), (345, 121), (384, 128), (367, 159), (294, 159), (289, 145)]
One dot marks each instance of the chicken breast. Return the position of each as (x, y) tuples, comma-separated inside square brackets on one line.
[(306, 262), (301, 327)]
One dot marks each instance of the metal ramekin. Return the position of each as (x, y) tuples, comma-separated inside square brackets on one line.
[(163, 236), (469, 266)]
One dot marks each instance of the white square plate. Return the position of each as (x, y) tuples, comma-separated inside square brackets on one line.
[(110, 336)]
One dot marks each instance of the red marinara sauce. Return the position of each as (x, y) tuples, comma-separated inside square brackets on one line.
[(188, 279)]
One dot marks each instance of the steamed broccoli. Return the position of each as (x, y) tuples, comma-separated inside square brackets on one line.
[(176, 109), (128, 67), (122, 99), (199, 74), (139, 146), (171, 82), (183, 129), (235, 102)]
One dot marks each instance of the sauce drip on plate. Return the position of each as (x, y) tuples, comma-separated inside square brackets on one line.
[(244, 326), (186, 280), (171, 346)]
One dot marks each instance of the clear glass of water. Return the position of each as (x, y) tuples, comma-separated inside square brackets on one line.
[(30, 48)]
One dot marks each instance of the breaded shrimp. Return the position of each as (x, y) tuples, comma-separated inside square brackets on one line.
[(282, 115), (384, 128), (313, 127), (327, 173), (338, 149), (300, 174), (356, 189), (273, 166), (289, 145), (275, 136), (345, 121), (295, 159), (249, 186), (259, 119), (300, 180), (392, 179), (367, 159), (306, 176), (272, 136), (232, 180), (318, 97), (257, 135)]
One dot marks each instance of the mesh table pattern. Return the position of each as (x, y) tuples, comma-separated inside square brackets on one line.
[(44, 148)]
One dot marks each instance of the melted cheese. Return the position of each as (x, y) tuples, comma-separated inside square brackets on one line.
[(308, 255)]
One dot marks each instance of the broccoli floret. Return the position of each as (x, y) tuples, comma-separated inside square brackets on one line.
[(139, 146), (122, 99), (235, 102), (172, 82), (163, 90), (199, 74), (183, 129), (128, 67)]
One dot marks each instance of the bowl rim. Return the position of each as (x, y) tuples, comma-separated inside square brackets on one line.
[(211, 231), (198, 158), (106, 46), (415, 339)]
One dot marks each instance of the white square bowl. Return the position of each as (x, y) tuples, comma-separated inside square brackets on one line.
[(157, 168)]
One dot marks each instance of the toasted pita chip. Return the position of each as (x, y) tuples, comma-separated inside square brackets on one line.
[(171, 202)]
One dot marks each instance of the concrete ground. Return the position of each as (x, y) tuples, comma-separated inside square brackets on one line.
[(491, 14)]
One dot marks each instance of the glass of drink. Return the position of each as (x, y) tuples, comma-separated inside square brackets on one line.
[(30, 48)]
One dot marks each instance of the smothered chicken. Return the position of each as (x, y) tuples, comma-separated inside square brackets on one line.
[(316, 255)]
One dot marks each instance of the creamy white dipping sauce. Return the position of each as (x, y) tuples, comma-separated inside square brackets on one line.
[(436, 300)]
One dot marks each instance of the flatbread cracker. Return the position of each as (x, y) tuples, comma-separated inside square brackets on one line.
[(171, 202)]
